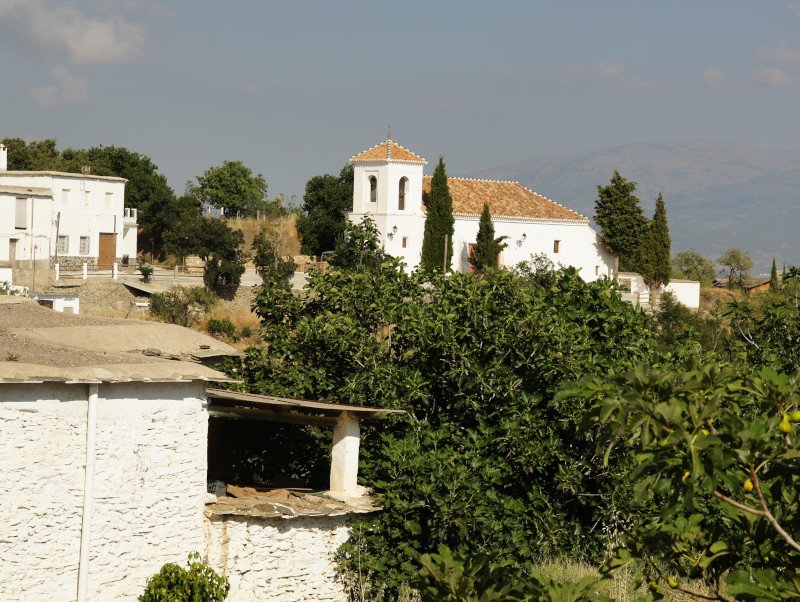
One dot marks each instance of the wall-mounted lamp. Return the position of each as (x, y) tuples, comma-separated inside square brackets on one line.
[(522, 239), (393, 232)]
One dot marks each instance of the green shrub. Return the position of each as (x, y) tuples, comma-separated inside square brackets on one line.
[(146, 270), (223, 326), (177, 584), (179, 305), (246, 332)]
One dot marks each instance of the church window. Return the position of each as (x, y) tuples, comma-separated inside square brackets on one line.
[(405, 242), (401, 204), (373, 189), (556, 246)]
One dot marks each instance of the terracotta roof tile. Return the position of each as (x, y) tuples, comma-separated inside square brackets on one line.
[(506, 199), (388, 150)]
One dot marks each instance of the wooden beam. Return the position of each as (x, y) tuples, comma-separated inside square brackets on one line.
[(271, 416)]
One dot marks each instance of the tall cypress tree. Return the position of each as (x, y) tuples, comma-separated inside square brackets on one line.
[(774, 284), (439, 223), (655, 264), (487, 247), (622, 222)]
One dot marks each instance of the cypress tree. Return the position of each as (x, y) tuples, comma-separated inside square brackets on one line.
[(439, 223), (487, 247), (654, 258), (774, 284), (622, 223)]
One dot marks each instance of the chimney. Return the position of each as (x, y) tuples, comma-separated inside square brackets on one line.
[(3, 157)]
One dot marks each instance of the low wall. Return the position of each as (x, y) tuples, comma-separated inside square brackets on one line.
[(686, 292), (277, 558)]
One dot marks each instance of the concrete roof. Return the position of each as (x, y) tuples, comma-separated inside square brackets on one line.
[(62, 174), (39, 344)]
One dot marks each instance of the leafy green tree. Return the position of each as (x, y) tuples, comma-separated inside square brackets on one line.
[(692, 265), (622, 222), (475, 361), (359, 247), (737, 265), (717, 454), (437, 241), (269, 264), (774, 283), (326, 200), (485, 254), (655, 265), (36, 155), (233, 188)]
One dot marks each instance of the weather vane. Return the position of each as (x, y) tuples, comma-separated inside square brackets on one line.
[(389, 133)]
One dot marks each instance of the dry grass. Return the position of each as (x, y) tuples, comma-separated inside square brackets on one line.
[(712, 298), (621, 588), (242, 319), (282, 229)]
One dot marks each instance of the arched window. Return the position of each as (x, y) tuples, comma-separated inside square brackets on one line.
[(373, 189), (403, 188)]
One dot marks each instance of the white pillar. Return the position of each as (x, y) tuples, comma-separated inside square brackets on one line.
[(85, 271), (114, 271), (175, 272), (344, 458), (58, 272)]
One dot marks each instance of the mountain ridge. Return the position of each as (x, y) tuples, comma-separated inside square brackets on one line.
[(719, 194)]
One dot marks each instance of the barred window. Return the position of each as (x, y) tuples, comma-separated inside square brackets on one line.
[(63, 244), (84, 250)]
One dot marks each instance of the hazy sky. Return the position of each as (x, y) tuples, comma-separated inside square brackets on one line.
[(294, 88)]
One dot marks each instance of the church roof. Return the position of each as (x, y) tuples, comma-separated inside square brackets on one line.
[(388, 150), (506, 199)]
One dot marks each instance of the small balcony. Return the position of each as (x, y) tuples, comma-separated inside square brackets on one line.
[(129, 217)]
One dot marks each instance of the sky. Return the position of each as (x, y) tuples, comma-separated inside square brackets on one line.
[(294, 88)]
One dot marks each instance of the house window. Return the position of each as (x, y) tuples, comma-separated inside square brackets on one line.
[(556, 246), (597, 270), (65, 196), (84, 248), (63, 245), (401, 203), (405, 242), (373, 189), (87, 197), (109, 199), (21, 216)]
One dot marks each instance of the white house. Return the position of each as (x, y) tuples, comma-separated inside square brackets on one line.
[(106, 448), (71, 219), (391, 188)]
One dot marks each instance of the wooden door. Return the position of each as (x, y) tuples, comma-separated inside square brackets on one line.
[(12, 250), (108, 251)]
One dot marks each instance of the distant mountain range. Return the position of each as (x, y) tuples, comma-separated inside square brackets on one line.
[(718, 194)]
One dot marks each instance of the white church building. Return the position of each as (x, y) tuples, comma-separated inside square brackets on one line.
[(67, 218), (391, 189)]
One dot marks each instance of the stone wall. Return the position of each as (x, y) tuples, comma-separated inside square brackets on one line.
[(277, 558), (149, 486), (75, 262)]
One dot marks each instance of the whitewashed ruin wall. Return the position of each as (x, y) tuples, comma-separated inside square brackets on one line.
[(148, 495), (278, 559)]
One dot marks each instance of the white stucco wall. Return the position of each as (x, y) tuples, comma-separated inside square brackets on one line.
[(269, 559), (579, 246), (686, 292), (85, 209), (149, 486), (38, 215)]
